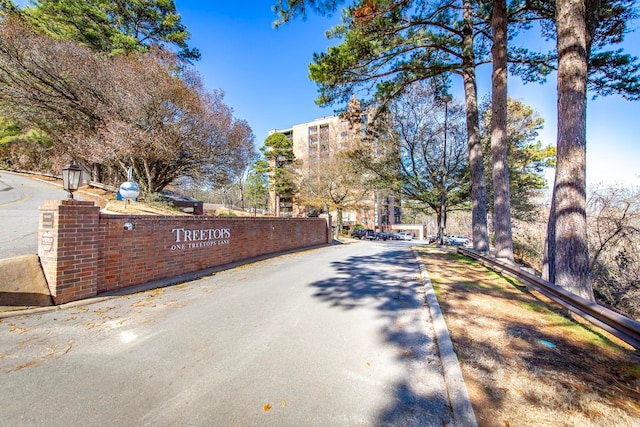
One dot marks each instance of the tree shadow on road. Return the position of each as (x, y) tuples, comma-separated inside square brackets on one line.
[(368, 280), (389, 283)]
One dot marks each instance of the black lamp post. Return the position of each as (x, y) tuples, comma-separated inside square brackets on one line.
[(71, 174), (446, 98)]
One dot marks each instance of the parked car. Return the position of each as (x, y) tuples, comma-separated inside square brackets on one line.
[(357, 234), (382, 236), (458, 240), (368, 234), (406, 236)]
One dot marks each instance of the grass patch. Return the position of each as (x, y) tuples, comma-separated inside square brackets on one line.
[(500, 332), (536, 306), (226, 213)]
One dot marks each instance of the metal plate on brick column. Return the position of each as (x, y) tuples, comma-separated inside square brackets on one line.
[(47, 220), (46, 241)]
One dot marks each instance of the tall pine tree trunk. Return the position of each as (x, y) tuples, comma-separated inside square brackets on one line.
[(478, 185), (568, 218), (548, 262), (499, 143)]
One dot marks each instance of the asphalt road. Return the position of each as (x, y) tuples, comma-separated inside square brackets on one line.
[(20, 197), (337, 336)]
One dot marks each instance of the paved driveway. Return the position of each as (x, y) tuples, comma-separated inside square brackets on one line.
[(328, 337), (20, 197)]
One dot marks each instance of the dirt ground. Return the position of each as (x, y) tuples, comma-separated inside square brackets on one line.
[(108, 202), (524, 362)]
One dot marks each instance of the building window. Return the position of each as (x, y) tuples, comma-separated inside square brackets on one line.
[(313, 135), (286, 206), (397, 215)]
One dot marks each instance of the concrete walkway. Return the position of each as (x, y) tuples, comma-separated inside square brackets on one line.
[(334, 336)]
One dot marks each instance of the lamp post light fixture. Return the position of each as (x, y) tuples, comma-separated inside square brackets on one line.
[(71, 174)]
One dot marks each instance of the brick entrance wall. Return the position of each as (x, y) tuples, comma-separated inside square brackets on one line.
[(84, 252)]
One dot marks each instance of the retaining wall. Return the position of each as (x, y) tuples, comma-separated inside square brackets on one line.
[(84, 252)]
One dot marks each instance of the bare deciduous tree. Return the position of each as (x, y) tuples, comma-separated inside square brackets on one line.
[(408, 153), (614, 246), (336, 188), (140, 110)]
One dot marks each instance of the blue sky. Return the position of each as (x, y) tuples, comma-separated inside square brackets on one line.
[(264, 73)]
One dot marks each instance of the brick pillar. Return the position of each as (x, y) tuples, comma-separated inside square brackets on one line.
[(329, 231), (68, 248)]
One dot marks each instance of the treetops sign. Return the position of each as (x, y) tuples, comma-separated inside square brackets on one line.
[(200, 238)]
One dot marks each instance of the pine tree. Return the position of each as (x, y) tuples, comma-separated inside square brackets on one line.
[(113, 26)]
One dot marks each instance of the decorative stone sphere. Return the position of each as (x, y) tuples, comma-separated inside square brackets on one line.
[(129, 190)]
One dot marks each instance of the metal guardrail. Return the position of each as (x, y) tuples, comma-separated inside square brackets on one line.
[(627, 329)]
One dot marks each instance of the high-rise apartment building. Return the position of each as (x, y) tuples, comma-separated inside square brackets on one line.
[(314, 143)]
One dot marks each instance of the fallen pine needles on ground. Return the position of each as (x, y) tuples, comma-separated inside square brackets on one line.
[(524, 362)]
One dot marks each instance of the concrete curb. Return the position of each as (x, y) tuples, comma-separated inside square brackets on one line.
[(461, 407), (22, 283)]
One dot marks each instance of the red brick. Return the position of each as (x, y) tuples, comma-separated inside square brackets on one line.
[(94, 254)]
